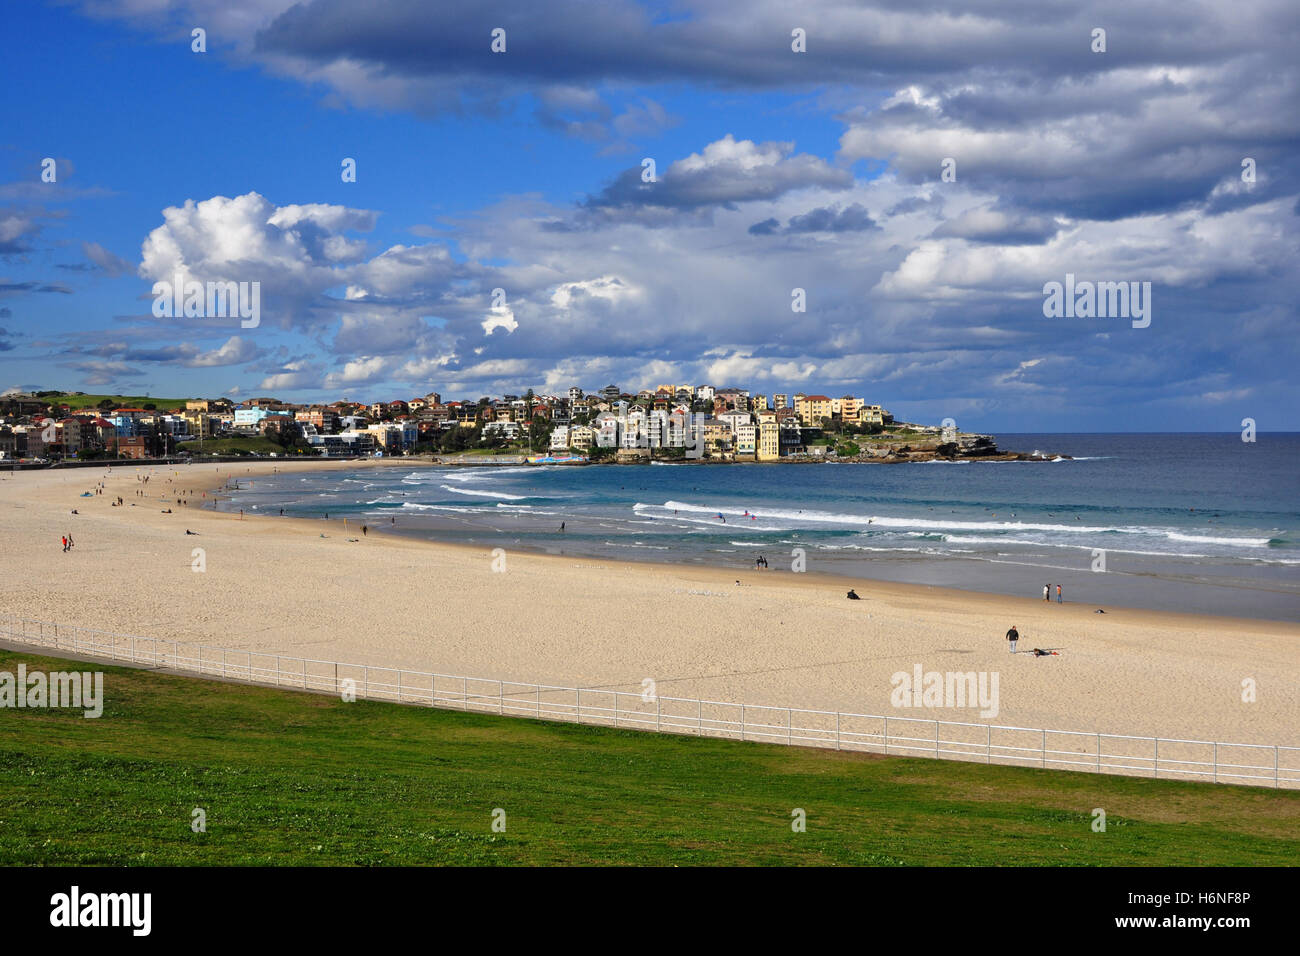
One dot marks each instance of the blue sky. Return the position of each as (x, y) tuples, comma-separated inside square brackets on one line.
[(777, 170)]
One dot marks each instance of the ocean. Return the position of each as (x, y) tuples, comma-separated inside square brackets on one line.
[(1193, 522)]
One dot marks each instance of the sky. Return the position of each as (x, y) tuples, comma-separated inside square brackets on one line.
[(914, 176)]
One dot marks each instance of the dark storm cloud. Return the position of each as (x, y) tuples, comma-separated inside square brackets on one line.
[(998, 227), (852, 218), (1013, 90), (711, 41), (12, 287), (727, 172)]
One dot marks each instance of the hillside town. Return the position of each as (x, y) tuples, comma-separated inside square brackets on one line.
[(668, 422)]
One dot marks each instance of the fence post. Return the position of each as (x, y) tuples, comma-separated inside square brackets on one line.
[(501, 697), (366, 675), (699, 718), (988, 743), (659, 709), (1157, 761), (538, 688), (837, 730), (1099, 752), (464, 697), (742, 721), (936, 740), (788, 721), (1275, 780), (1216, 761), (615, 708), (1043, 750), (577, 697), (399, 686)]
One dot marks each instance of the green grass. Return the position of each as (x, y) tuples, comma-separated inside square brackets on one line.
[(288, 778), (235, 446), (119, 401)]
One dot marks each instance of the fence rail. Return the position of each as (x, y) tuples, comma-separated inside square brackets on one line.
[(1094, 752)]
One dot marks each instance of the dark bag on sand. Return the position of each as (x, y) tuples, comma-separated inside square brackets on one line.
[(854, 597)]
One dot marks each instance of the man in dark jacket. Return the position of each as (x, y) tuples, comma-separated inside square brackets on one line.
[(1012, 636)]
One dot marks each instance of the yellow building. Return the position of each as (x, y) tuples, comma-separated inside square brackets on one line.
[(871, 415), (811, 409), (769, 440), (199, 421)]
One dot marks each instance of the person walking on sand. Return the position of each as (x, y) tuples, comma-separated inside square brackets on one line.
[(365, 529), (1012, 637), (65, 543), (70, 542), (1058, 594), (1047, 592)]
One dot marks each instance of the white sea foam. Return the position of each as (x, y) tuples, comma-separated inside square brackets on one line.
[(484, 494), (812, 516)]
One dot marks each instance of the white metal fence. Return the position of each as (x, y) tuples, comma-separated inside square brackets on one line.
[(1251, 764)]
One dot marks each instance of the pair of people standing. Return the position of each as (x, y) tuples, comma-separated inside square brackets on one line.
[(1047, 593)]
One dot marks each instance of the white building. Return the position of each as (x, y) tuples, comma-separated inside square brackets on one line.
[(607, 428), (746, 439), (507, 430)]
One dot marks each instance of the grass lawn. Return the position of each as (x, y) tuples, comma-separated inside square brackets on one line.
[(236, 446), (290, 778), (119, 401)]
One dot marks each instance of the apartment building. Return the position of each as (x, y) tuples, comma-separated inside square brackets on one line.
[(746, 439), (811, 409)]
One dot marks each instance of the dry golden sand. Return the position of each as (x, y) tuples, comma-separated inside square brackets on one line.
[(778, 638)]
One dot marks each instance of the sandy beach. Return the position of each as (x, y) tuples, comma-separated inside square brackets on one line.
[(304, 588)]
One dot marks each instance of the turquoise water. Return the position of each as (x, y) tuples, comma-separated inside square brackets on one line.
[(1193, 522)]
